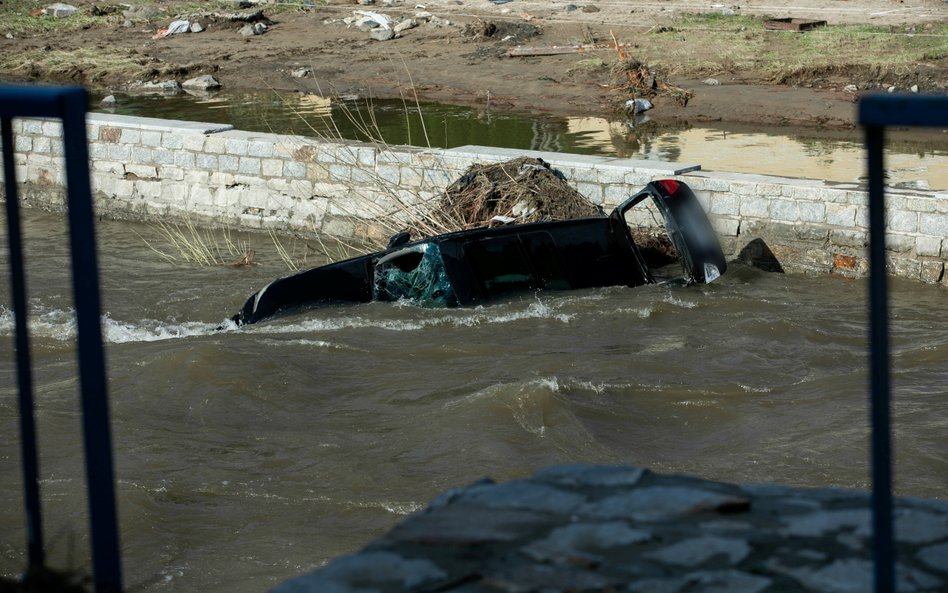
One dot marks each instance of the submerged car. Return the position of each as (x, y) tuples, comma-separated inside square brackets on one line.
[(469, 267)]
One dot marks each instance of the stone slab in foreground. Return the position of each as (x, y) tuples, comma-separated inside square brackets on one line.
[(582, 528)]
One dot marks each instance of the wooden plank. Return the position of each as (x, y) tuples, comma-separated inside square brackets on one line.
[(791, 24)]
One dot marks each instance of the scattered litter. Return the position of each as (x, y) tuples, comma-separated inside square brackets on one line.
[(914, 88), (711, 82), (107, 102), (552, 50), (173, 29), (850, 88), (60, 10), (791, 24), (9, 36), (300, 72), (637, 105), (423, 16), (369, 17)]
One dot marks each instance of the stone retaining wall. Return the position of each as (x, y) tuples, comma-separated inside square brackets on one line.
[(146, 168), (593, 528)]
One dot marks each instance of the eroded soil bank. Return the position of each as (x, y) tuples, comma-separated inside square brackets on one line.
[(460, 53)]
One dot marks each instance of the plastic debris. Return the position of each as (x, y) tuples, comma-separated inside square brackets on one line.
[(368, 16), (638, 105), (60, 10), (173, 29)]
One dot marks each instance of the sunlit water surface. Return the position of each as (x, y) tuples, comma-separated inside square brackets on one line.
[(912, 160), (245, 457)]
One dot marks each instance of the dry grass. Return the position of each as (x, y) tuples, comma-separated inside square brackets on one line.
[(188, 243)]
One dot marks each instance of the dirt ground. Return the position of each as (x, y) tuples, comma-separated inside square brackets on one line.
[(461, 57)]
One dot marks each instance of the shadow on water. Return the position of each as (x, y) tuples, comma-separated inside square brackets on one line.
[(913, 161)]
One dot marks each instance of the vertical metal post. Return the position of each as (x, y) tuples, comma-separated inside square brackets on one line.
[(95, 404), (24, 373), (882, 527)]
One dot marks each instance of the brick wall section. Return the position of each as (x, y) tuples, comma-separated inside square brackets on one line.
[(146, 168)]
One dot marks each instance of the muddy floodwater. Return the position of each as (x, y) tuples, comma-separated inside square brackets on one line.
[(913, 159), (245, 457)]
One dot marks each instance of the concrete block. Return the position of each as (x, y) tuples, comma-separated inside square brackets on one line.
[(928, 246), (901, 221), (729, 204), (812, 212), (249, 165), (172, 140), (206, 161), (228, 163)]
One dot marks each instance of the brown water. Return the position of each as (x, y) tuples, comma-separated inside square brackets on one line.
[(245, 457)]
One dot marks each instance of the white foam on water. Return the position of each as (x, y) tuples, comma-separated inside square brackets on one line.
[(60, 324)]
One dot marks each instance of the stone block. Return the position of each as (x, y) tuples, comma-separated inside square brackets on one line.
[(388, 173), (260, 149), (437, 179), (142, 155), (249, 165), (834, 196), (215, 145), (901, 221), (611, 175), (928, 246), (806, 232), (163, 156), (170, 173), (741, 188), (221, 179), (785, 210), (41, 145), (812, 212), (206, 161), (98, 150), (53, 129), (862, 217), (410, 176), (32, 126), (769, 189), (149, 138), (236, 146), (184, 159), (228, 163), (174, 193), (195, 177), (754, 206), (728, 204), (935, 225), (294, 169), (192, 142), (932, 272), (147, 189), (271, 167), (130, 136), (693, 552), (114, 167), (172, 140), (729, 227), (23, 143), (141, 171), (904, 267), (338, 227), (849, 238), (522, 495), (592, 192), (841, 215)]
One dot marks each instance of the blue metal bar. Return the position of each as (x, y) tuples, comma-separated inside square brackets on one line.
[(875, 113), (883, 548), (24, 369), (69, 104), (95, 403)]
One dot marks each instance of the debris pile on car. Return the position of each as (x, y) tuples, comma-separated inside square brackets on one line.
[(521, 191)]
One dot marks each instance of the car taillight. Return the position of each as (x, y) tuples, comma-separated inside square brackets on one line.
[(669, 185)]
